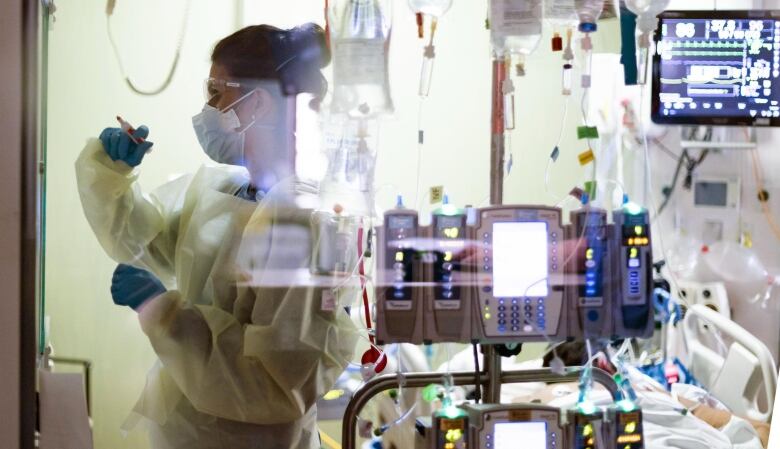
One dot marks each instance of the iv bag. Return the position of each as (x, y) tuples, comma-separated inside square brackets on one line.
[(360, 37), (647, 12), (435, 8), (647, 20), (589, 12), (739, 268), (561, 12), (515, 26), (350, 147)]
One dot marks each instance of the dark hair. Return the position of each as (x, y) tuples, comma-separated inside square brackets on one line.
[(263, 52), (571, 353)]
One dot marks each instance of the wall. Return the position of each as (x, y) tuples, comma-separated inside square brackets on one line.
[(10, 219)]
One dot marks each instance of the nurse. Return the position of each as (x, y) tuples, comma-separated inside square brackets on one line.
[(213, 262)]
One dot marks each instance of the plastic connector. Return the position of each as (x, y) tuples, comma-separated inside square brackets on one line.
[(586, 81), (555, 153), (586, 43), (568, 53)]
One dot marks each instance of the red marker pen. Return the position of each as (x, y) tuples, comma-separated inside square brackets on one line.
[(129, 130)]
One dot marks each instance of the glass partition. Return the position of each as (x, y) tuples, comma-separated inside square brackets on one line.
[(226, 318)]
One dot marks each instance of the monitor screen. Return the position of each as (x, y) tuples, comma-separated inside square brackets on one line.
[(706, 193), (717, 68), (528, 435), (520, 259)]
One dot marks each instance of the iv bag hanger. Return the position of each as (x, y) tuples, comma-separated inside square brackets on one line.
[(717, 138)]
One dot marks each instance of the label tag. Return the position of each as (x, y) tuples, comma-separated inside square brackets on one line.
[(587, 132), (560, 9), (513, 18), (360, 61), (437, 194), (591, 189), (444, 304), (586, 157), (591, 302), (398, 305)]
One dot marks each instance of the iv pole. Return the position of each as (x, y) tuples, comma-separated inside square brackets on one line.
[(491, 359)]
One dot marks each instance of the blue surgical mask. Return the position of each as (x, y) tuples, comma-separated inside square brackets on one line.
[(219, 135)]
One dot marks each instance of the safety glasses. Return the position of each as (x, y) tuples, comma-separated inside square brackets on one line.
[(215, 86)]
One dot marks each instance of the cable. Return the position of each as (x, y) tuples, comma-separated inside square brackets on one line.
[(563, 121), (767, 212), (691, 165), (361, 269), (333, 444), (556, 149), (668, 195), (657, 142), (169, 77), (477, 382), (648, 173)]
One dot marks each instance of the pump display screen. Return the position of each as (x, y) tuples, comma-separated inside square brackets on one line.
[(636, 235), (449, 226), (400, 222), (449, 229), (717, 67), (529, 435), (520, 260)]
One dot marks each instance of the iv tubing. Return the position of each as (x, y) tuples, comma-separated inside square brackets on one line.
[(169, 77), (760, 186), (649, 186), (363, 284)]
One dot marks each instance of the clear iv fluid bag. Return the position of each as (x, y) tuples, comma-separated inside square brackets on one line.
[(589, 12), (561, 12), (515, 26), (360, 39), (435, 8), (647, 11), (350, 147)]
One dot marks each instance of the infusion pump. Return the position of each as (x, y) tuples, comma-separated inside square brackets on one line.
[(511, 274), (530, 426)]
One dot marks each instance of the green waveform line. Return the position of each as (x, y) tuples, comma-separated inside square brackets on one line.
[(707, 44), (705, 53), (686, 80)]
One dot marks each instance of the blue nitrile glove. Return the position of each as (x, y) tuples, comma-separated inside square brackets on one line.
[(132, 286), (120, 147)]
